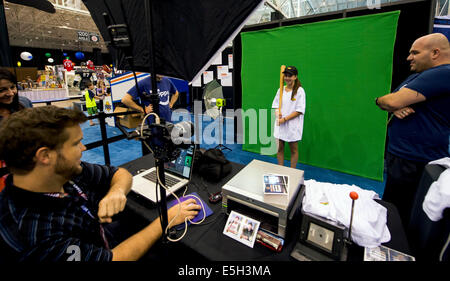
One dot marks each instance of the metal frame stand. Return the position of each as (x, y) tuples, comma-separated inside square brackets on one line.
[(220, 145)]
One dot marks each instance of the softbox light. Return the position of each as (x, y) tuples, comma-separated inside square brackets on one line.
[(42, 5), (186, 33)]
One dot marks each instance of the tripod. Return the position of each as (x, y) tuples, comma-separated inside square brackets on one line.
[(220, 145)]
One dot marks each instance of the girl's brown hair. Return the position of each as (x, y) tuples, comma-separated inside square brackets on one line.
[(297, 84)]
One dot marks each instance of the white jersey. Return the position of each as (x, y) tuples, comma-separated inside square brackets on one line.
[(437, 198), (292, 130), (332, 201)]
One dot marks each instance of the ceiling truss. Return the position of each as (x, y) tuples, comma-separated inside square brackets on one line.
[(34, 28)]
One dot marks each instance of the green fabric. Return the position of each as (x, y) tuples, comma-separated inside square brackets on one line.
[(92, 110), (343, 66)]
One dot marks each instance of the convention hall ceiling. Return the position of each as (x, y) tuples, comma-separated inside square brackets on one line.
[(34, 28), (31, 27)]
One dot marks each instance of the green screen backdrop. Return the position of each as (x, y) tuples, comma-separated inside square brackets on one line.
[(343, 66)]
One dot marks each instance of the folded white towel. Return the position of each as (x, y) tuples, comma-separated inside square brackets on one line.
[(332, 201)]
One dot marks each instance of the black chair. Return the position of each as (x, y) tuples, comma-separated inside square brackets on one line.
[(426, 237)]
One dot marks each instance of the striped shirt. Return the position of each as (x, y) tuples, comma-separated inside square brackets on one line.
[(38, 227)]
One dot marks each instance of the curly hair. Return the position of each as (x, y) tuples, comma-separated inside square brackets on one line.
[(25, 131)]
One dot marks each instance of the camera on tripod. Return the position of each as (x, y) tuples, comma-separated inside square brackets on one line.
[(165, 139)]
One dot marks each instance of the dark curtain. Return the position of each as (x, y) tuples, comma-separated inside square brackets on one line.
[(97, 56), (187, 33)]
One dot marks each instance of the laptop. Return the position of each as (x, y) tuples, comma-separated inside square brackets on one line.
[(177, 174)]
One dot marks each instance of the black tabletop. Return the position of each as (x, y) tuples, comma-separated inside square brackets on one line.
[(208, 240)]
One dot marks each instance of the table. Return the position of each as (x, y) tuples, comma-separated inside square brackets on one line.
[(47, 95), (49, 102), (81, 105), (208, 240)]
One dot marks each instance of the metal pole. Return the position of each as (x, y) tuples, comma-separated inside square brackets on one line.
[(101, 117), (154, 97)]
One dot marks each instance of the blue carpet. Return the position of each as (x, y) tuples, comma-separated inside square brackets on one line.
[(127, 150), (120, 152)]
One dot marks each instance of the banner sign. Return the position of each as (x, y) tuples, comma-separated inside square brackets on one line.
[(88, 36)]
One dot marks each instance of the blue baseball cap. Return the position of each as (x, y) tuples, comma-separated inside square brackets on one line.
[(291, 70)]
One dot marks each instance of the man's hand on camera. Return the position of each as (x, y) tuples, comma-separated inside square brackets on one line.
[(148, 109)]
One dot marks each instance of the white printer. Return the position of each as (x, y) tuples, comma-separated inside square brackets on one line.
[(244, 193)]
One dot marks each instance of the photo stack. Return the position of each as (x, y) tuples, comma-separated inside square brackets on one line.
[(276, 189), (276, 184)]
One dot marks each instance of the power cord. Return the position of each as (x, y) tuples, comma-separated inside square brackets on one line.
[(179, 211), (157, 121)]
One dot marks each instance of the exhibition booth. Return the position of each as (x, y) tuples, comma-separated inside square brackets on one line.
[(256, 211)]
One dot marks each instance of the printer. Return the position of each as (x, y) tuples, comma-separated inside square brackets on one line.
[(244, 193)]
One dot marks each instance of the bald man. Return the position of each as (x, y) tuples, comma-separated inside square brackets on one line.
[(420, 129)]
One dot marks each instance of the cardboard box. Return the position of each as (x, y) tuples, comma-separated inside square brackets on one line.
[(131, 120)]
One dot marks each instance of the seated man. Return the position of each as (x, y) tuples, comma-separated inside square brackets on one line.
[(54, 207)]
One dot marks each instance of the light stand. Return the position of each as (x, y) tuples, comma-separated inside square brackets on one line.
[(169, 24), (121, 38), (154, 100), (221, 146)]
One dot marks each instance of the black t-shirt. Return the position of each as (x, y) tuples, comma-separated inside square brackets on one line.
[(424, 135)]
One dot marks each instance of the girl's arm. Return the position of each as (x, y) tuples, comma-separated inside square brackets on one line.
[(289, 117)]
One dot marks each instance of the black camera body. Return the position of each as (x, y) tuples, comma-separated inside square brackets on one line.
[(166, 139)]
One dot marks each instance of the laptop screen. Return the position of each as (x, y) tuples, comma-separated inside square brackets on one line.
[(183, 164)]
